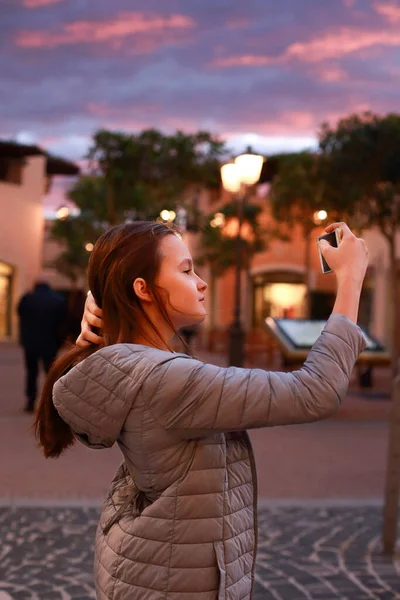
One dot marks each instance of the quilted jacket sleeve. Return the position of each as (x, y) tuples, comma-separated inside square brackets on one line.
[(196, 399)]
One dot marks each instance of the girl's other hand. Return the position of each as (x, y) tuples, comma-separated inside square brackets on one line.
[(92, 317)]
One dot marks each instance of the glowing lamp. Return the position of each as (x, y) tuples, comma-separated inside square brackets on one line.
[(230, 178), (249, 168), (62, 213)]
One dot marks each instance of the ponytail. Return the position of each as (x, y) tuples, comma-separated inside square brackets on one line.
[(51, 431)]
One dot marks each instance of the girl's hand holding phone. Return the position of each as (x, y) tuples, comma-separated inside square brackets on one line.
[(349, 260)]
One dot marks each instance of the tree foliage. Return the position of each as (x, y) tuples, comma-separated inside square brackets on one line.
[(149, 171), (362, 170), (219, 249), (298, 191), (363, 179), (74, 233), (135, 176)]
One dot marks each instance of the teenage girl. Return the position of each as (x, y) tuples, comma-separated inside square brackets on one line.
[(180, 518)]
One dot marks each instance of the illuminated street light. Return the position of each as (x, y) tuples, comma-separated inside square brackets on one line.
[(168, 215), (164, 214), (218, 220), (230, 178), (89, 247), (236, 178), (320, 216), (62, 213), (249, 168), (230, 229)]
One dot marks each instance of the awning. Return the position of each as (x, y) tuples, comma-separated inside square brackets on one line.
[(54, 165)]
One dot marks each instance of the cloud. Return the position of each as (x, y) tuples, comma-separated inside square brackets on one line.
[(90, 32), (341, 43), (69, 146), (303, 122), (326, 46), (276, 74), (332, 73), (389, 10), (104, 111), (269, 144), (38, 3), (246, 60)]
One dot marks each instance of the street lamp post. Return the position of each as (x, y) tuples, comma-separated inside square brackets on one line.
[(236, 178)]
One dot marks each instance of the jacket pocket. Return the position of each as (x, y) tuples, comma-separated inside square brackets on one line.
[(219, 553)]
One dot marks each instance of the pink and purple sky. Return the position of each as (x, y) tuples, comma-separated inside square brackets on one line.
[(264, 72)]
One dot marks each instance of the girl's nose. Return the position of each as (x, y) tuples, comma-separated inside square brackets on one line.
[(202, 285)]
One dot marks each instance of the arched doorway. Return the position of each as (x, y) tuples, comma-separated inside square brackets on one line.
[(278, 294)]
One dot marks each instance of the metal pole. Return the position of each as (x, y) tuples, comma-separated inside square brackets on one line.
[(236, 331), (389, 530), (392, 485)]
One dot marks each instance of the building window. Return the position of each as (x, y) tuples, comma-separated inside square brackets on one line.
[(6, 274)]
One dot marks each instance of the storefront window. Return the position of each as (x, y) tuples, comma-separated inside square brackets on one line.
[(6, 273), (278, 295), (285, 300)]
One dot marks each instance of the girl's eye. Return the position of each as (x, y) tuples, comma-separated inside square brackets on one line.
[(188, 271)]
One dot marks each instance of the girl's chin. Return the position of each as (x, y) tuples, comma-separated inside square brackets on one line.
[(194, 320)]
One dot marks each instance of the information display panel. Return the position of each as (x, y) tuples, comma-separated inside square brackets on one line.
[(297, 336)]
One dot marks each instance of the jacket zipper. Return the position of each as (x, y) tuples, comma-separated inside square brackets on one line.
[(255, 498)]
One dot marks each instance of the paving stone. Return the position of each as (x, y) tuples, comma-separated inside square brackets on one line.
[(304, 553)]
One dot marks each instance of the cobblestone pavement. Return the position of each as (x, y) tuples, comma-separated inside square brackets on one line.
[(304, 553)]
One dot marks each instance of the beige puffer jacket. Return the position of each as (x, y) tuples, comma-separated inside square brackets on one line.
[(180, 518)]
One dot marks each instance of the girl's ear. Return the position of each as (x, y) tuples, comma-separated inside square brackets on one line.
[(141, 290)]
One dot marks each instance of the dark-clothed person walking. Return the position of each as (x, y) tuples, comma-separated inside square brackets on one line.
[(42, 313)]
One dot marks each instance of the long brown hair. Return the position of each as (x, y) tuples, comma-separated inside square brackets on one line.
[(120, 255)]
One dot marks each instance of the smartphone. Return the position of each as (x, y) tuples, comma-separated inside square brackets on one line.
[(333, 239)]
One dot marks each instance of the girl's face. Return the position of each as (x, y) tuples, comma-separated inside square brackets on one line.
[(185, 289)]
